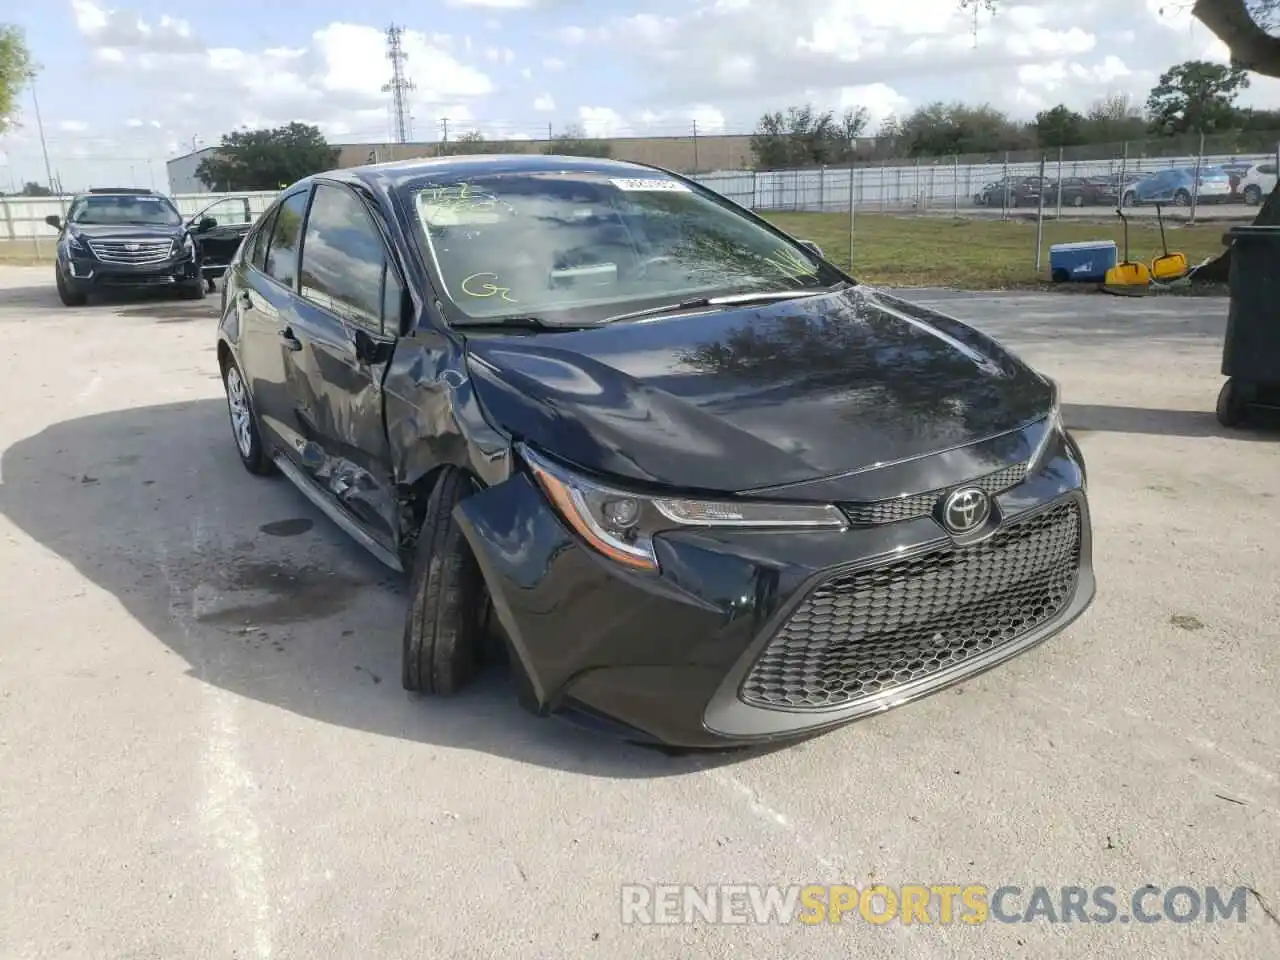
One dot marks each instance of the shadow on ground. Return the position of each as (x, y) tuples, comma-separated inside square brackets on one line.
[(164, 305), (1083, 418), (259, 593)]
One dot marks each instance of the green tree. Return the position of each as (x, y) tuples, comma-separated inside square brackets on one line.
[(948, 129), (266, 159), (574, 142), (1195, 97), (15, 69), (804, 137), (33, 189), (1059, 126), (1113, 119)]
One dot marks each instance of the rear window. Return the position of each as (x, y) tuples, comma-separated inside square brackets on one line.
[(1214, 173)]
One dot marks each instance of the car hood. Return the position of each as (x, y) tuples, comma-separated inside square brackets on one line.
[(117, 231), (749, 398)]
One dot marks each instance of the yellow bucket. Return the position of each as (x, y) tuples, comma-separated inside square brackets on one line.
[(1128, 274), (1170, 267)]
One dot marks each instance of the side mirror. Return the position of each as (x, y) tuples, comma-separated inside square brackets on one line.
[(54, 221), (206, 224), (813, 248)]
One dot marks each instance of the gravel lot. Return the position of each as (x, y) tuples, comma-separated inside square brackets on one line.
[(206, 751)]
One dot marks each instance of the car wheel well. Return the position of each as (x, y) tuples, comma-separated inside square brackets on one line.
[(413, 505), (224, 355)]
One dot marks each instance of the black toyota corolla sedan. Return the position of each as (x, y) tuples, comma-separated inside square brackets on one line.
[(701, 486)]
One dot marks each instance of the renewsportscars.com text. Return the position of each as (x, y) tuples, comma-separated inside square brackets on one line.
[(965, 904)]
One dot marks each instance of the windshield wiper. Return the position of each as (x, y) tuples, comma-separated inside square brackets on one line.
[(730, 299), (523, 322)]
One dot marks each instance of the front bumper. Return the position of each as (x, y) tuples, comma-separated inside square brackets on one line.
[(83, 273), (709, 652)]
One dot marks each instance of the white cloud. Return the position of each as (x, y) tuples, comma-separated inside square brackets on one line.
[(72, 126), (544, 103), (553, 64), (526, 73), (601, 121), (494, 4), (880, 100)]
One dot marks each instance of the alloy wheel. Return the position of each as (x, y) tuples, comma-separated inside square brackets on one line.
[(241, 419)]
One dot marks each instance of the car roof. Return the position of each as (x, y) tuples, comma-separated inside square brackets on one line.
[(396, 173)]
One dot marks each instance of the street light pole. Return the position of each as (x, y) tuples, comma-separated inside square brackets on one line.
[(44, 147)]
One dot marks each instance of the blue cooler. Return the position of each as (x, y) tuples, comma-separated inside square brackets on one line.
[(1086, 262)]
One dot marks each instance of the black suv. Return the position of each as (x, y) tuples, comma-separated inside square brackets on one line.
[(118, 237)]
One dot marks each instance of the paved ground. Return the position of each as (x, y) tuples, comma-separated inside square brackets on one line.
[(206, 751)]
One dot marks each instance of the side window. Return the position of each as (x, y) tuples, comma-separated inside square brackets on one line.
[(344, 261), (392, 299), (286, 231), (258, 252), (1267, 168)]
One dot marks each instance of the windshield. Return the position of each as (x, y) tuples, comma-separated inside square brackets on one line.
[(580, 247), (116, 209)]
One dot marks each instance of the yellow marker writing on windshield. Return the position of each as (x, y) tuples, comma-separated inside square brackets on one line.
[(472, 287), (789, 263)]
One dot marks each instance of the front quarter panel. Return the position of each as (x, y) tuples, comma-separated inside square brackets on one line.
[(433, 416)]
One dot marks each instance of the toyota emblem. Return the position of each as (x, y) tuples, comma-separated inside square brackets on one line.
[(965, 510), (131, 247)]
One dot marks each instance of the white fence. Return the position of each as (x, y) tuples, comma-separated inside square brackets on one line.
[(930, 184)]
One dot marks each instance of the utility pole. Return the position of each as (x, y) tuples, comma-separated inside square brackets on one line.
[(444, 135), (44, 147), (398, 85), (695, 146)]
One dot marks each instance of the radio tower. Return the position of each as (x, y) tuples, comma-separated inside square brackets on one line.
[(398, 85)]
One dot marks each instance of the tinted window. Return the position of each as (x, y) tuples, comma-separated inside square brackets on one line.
[(595, 245), (1267, 168), (282, 251), (343, 257), (152, 211), (258, 252)]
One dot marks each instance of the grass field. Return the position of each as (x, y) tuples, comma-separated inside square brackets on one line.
[(901, 251), (976, 254)]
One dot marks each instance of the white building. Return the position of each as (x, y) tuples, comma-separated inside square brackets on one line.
[(182, 172)]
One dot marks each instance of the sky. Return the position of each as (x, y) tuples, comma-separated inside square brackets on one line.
[(125, 86)]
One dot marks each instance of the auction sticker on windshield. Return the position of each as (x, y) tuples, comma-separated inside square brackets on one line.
[(647, 183)]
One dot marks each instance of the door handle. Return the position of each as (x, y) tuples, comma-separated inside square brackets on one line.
[(291, 341)]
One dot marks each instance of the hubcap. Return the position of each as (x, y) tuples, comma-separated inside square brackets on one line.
[(238, 405)]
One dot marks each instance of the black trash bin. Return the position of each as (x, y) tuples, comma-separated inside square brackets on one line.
[(1251, 351)]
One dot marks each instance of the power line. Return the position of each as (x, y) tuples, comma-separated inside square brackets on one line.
[(399, 84)]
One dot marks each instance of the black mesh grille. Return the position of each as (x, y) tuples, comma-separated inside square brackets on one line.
[(860, 634), (921, 504)]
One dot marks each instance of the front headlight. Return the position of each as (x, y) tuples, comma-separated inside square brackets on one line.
[(620, 523), (1055, 427), (74, 244)]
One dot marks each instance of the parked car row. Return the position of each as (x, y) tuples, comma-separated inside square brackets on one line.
[(1237, 183)]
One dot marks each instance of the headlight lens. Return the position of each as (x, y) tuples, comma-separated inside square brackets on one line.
[(620, 524), (74, 243), (1055, 428)]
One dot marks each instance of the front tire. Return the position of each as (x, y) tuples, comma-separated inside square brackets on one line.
[(1182, 199), (193, 289), (444, 626), (68, 296), (1231, 404), (1252, 195), (244, 422)]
